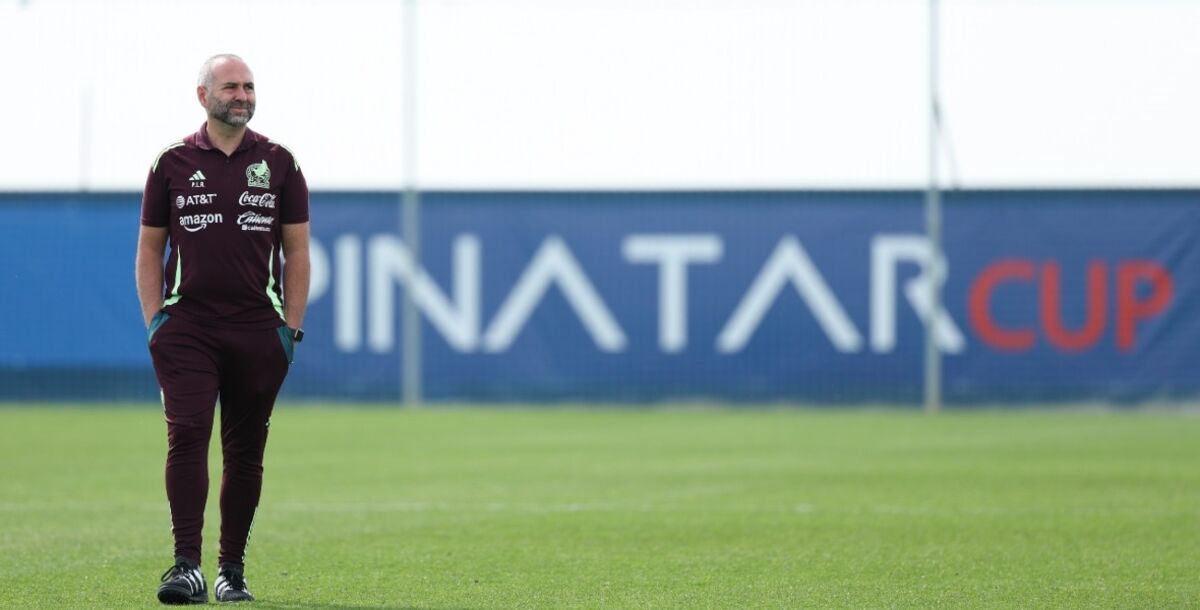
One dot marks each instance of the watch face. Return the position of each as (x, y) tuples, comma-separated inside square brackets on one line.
[(298, 335)]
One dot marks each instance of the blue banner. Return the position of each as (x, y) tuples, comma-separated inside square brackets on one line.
[(732, 296)]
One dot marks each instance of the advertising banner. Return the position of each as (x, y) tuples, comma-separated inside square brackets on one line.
[(811, 297)]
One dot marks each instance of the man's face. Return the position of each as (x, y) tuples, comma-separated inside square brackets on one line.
[(231, 99)]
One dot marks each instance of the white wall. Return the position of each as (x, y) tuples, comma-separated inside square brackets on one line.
[(617, 93)]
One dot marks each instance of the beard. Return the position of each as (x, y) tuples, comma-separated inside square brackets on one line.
[(223, 112)]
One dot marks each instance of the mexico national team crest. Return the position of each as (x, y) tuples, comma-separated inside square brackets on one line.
[(258, 175)]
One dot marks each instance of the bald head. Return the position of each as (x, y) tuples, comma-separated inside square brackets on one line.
[(207, 76)]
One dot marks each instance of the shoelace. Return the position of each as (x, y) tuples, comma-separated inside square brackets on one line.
[(235, 579), (178, 568)]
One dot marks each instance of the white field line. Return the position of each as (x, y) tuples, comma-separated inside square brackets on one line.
[(418, 506), (1003, 511), (529, 507), (412, 506), (77, 506)]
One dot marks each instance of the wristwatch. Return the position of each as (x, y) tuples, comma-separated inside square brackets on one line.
[(297, 334)]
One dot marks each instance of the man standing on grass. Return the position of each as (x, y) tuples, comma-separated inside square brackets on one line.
[(223, 316)]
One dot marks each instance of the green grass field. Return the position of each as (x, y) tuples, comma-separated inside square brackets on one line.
[(628, 508)]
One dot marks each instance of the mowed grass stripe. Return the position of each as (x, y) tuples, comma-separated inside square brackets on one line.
[(628, 508)]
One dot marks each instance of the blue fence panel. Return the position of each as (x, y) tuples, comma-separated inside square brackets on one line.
[(739, 296)]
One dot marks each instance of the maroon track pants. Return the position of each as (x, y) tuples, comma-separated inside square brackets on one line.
[(196, 365)]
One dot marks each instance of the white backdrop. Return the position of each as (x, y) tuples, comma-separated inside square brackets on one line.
[(617, 94)]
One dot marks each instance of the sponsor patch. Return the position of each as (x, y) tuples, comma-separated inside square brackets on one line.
[(253, 221), (265, 200), (197, 222), (205, 199)]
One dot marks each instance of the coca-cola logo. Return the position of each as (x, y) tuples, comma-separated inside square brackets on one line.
[(265, 200)]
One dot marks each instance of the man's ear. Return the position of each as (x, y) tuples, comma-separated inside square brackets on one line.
[(202, 95)]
